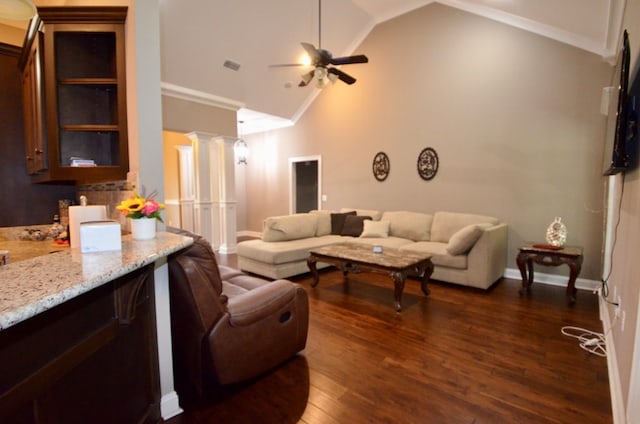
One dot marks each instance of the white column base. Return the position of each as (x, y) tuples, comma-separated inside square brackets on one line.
[(170, 406)]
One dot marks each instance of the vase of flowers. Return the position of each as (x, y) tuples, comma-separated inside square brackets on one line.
[(143, 212)]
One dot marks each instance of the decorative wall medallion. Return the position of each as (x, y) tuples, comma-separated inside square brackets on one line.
[(428, 163), (381, 166)]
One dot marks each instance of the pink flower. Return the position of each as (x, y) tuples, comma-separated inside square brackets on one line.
[(150, 206)]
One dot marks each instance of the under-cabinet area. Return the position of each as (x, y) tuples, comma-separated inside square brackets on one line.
[(74, 95), (78, 335)]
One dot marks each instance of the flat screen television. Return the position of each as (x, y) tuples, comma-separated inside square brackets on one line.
[(616, 154)]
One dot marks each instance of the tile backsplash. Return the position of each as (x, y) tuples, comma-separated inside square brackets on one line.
[(109, 194)]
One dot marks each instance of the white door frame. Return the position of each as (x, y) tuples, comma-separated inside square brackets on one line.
[(292, 179)]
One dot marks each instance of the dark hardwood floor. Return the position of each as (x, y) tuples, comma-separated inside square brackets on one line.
[(458, 356)]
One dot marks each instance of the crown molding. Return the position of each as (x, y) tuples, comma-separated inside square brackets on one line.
[(548, 31), (196, 96)]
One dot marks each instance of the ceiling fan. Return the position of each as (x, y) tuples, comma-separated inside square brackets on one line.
[(323, 62)]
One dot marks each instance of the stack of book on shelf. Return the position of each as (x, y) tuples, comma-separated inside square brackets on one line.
[(81, 162)]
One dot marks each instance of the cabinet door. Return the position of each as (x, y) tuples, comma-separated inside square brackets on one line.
[(75, 95), (86, 102), (34, 133)]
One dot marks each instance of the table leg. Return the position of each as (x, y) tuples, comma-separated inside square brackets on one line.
[(346, 267), (398, 282), (521, 260), (530, 271), (426, 275), (311, 263), (574, 270)]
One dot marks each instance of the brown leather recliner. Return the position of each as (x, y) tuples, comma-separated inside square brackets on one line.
[(228, 326)]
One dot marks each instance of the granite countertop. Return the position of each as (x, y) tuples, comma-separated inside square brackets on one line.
[(20, 250), (31, 286)]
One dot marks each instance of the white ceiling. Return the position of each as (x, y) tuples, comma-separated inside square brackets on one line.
[(198, 36)]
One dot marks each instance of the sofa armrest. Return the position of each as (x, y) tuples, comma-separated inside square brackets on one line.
[(487, 260), (261, 302)]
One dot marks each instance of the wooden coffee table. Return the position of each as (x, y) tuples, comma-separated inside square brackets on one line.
[(353, 256)]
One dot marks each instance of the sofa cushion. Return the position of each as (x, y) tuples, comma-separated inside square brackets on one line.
[(353, 225), (284, 251), (446, 224), (375, 215), (337, 221), (289, 227), (415, 226), (464, 239), (376, 229), (440, 256), (324, 222)]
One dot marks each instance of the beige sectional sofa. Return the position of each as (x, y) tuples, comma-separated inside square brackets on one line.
[(467, 249)]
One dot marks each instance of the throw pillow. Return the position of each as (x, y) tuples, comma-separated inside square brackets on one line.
[(353, 225), (324, 222), (375, 229), (464, 239), (337, 221)]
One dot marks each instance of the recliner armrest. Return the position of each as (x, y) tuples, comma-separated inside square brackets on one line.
[(256, 304)]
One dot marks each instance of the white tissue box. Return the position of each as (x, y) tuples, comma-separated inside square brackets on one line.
[(100, 236)]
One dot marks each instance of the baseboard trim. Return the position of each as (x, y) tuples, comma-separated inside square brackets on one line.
[(553, 280), (615, 388)]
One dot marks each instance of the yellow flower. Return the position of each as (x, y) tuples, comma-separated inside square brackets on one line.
[(140, 206), (132, 204)]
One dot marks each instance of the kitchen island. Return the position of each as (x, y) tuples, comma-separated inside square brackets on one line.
[(78, 334)]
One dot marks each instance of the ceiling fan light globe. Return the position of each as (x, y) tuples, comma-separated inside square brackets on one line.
[(320, 72)]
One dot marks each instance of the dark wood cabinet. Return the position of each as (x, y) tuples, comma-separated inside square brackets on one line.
[(92, 359), (74, 90), (33, 111)]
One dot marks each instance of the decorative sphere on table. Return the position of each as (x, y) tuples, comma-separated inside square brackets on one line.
[(557, 232)]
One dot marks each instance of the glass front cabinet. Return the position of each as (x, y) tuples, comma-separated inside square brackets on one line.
[(74, 92)]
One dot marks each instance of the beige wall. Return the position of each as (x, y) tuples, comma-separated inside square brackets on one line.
[(170, 140), (184, 116), (515, 119), (11, 35), (624, 280)]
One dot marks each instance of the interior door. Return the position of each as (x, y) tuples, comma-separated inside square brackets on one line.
[(305, 184)]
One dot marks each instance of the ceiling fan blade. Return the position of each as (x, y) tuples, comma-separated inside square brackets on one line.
[(360, 58), (346, 78), (313, 53), (306, 78)]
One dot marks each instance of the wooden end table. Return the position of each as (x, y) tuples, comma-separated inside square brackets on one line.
[(353, 256), (568, 255)]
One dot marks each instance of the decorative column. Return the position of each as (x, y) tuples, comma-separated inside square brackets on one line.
[(206, 172), (227, 191), (187, 187)]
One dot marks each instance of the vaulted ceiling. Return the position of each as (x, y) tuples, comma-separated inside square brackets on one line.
[(198, 36), (198, 39)]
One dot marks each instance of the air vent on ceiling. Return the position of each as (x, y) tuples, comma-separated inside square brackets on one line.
[(234, 66)]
